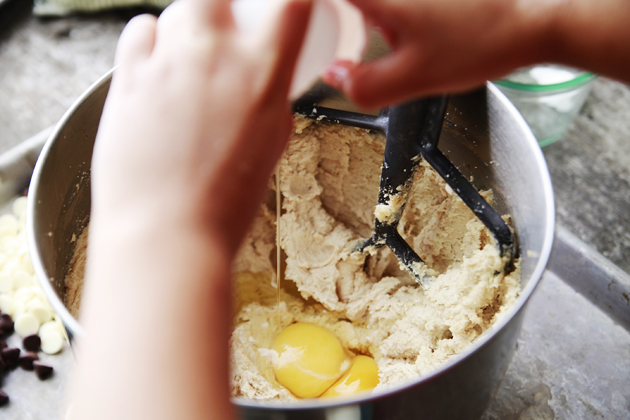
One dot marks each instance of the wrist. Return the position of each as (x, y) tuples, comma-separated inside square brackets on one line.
[(145, 236)]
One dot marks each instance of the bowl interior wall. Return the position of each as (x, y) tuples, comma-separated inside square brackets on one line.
[(491, 155), (63, 190), (480, 136)]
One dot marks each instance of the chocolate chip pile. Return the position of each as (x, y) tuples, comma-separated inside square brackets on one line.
[(12, 357), (23, 307)]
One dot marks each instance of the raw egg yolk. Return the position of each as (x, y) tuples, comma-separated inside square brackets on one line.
[(309, 359), (363, 375)]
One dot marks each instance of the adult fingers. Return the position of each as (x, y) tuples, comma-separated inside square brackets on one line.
[(380, 82), (373, 8), (192, 25), (137, 40)]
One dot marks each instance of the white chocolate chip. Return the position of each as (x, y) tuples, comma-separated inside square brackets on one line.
[(9, 221), (32, 302), (10, 265), (7, 231), (19, 206), (6, 283), (48, 306), (26, 324), (37, 291), (26, 264), (9, 244), (52, 342), (23, 295), (6, 304), (21, 279), (17, 308), (40, 312), (51, 326), (21, 252)]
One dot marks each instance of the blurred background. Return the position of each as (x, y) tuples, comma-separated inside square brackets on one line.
[(47, 61)]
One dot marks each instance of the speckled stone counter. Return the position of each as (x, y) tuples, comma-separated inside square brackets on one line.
[(590, 171)]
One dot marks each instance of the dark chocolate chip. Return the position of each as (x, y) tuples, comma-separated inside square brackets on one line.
[(26, 360), (6, 324), (3, 344), (3, 364), (11, 356), (32, 342), (42, 371), (4, 398)]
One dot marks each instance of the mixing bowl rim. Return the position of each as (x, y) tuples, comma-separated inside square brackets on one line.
[(487, 335), (74, 328), (71, 324)]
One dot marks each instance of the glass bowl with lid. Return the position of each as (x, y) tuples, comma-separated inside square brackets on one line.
[(548, 96)]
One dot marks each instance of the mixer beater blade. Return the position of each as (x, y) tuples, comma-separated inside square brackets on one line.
[(412, 131)]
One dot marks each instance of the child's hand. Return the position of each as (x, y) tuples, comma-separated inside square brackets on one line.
[(197, 116), (195, 120)]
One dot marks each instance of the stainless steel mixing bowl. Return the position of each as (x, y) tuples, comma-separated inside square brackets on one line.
[(483, 135)]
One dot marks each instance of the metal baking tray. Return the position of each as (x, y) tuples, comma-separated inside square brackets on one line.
[(572, 360)]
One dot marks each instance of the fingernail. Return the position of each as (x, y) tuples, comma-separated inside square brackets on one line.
[(337, 74)]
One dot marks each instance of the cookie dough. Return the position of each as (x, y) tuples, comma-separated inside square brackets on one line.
[(329, 177), (74, 279)]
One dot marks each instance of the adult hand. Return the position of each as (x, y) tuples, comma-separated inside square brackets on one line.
[(454, 45)]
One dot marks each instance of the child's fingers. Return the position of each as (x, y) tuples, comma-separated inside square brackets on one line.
[(175, 22), (286, 40), (137, 40), (187, 24), (216, 13)]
